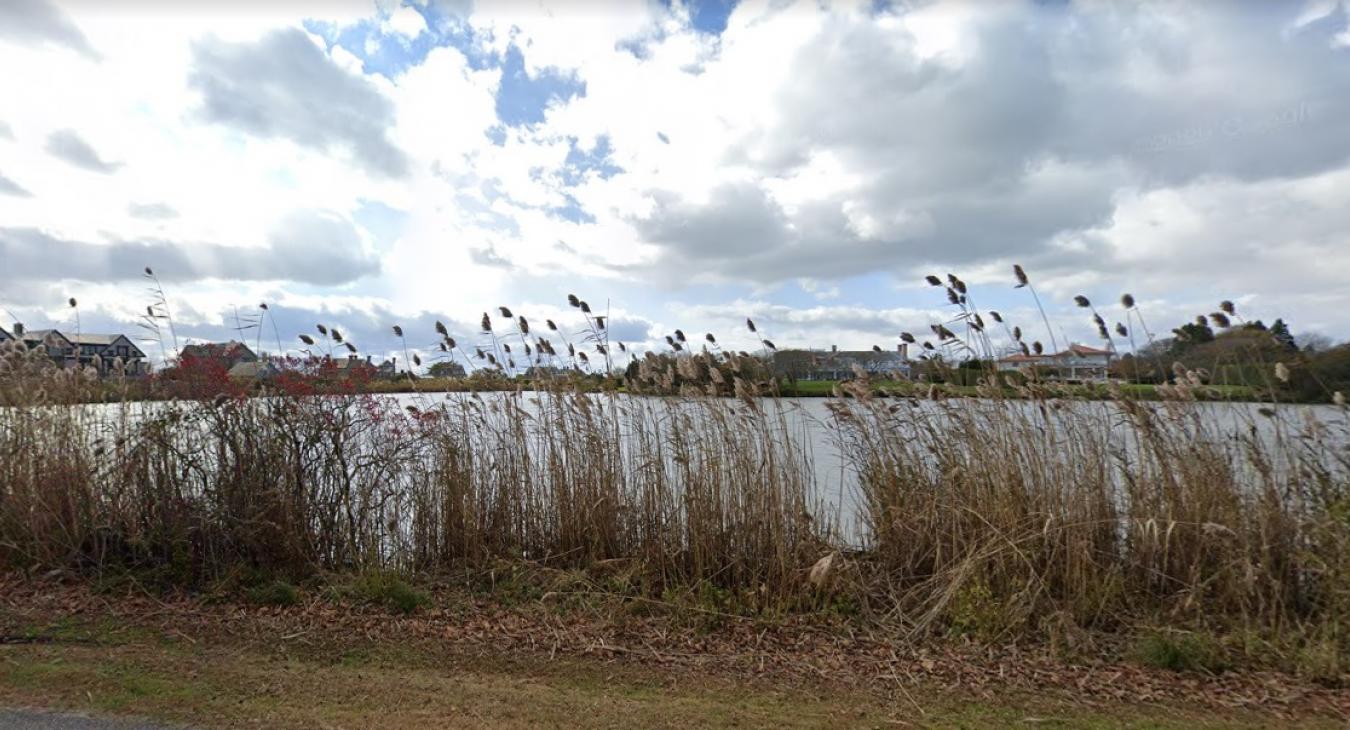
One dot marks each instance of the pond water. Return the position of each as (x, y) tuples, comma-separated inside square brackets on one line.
[(814, 436), (810, 424)]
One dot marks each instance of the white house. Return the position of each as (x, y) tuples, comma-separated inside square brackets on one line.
[(1078, 362)]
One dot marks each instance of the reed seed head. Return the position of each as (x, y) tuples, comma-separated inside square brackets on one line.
[(398, 331), (1127, 301), (933, 280), (1021, 275), (1082, 301)]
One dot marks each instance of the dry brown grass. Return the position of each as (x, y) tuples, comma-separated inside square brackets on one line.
[(999, 519)]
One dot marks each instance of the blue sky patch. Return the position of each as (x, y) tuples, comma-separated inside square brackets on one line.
[(710, 16), (599, 161), (572, 211), (522, 99)]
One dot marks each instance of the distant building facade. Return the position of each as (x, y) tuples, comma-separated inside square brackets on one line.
[(1077, 363), (837, 364), (226, 354), (353, 365), (254, 370), (106, 354)]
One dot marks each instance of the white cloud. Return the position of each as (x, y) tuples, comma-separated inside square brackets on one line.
[(406, 21), (808, 146)]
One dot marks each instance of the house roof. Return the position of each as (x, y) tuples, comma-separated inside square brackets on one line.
[(44, 335), (5, 335), (1020, 357), (351, 363), (255, 369), (99, 340), (93, 339), (229, 349), (1084, 351)]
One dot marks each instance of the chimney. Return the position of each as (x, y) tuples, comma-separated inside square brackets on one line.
[(904, 351)]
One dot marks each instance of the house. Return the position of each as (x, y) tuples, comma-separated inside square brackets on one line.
[(106, 352), (88, 350), (226, 354), (254, 370), (353, 365), (1077, 363), (57, 346), (840, 364)]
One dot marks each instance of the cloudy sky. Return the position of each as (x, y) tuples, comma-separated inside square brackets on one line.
[(684, 165)]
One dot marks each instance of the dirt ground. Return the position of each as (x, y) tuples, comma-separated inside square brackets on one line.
[(461, 662)]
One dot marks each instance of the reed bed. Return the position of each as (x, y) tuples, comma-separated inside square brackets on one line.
[(997, 518)]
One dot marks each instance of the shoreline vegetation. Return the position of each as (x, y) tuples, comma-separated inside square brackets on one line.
[(109, 392), (1153, 533)]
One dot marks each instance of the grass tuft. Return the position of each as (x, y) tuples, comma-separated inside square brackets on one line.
[(1180, 652), (274, 593)]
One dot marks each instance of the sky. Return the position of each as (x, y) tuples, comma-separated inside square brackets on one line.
[(678, 165)]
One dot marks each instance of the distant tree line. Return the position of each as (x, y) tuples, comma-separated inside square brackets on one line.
[(1244, 353)]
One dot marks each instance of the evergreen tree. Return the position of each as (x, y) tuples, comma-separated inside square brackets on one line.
[(1280, 332)]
